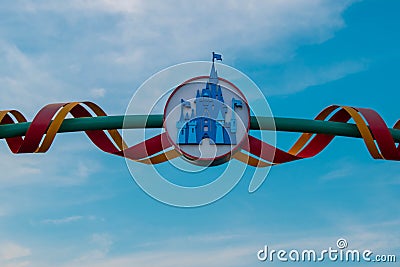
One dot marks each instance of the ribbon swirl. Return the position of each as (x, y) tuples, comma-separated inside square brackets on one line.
[(45, 125)]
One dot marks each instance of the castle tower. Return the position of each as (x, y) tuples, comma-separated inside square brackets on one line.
[(182, 135), (219, 137), (192, 132), (180, 125)]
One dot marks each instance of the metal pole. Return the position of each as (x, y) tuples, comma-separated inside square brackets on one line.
[(156, 121)]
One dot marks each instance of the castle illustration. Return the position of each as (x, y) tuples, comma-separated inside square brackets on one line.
[(208, 118)]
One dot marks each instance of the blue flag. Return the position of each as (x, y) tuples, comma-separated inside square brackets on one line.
[(217, 56)]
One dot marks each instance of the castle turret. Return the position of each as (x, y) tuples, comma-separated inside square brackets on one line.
[(213, 75), (192, 132), (219, 137), (180, 125)]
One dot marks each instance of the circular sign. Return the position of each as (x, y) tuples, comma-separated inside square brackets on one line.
[(207, 119)]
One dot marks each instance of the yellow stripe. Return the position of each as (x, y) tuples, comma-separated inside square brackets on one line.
[(165, 156), (250, 160), (365, 132), (55, 126), (305, 137), (17, 115), (115, 135)]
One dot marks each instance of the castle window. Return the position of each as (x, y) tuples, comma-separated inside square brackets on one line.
[(192, 130), (206, 128)]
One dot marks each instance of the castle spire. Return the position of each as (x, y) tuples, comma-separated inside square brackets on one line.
[(182, 118), (213, 75)]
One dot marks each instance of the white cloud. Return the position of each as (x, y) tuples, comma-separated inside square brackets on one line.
[(267, 29), (40, 169), (381, 236), (18, 264), (167, 253), (86, 168), (25, 84), (240, 250), (18, 170), (341, 170), (102, 240), (102, 243), (3, 211), (10, 251), (98, 92), (384, 173), (220, 257), (298, 78), (122, 6), (63, 220), (71, 219)]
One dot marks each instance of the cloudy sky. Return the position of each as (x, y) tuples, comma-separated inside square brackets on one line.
[(77, 206)]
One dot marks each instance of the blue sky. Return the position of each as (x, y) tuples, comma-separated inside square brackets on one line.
[(78, 206)]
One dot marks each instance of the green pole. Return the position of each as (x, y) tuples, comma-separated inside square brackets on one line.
[(156, 121)]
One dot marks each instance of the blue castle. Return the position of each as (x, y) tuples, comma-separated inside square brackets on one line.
[(208, 120)]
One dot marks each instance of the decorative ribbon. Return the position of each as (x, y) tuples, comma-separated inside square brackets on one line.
[(44, 127), (48, 120), (370, 124)]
